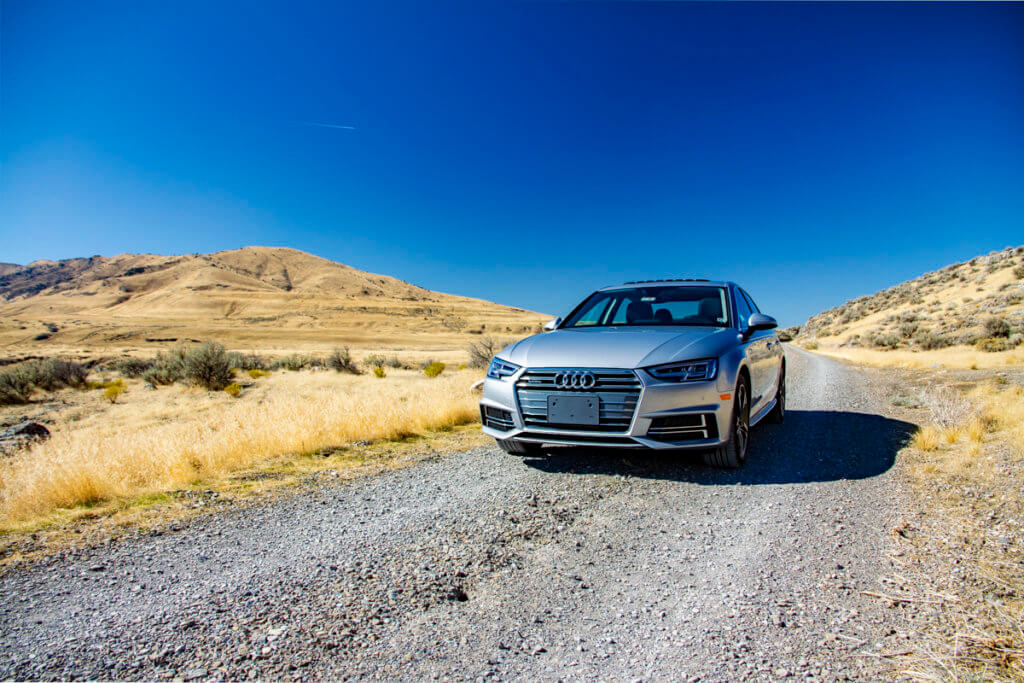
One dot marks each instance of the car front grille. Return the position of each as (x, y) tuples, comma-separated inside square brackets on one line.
[(683, 427), (618, 391)]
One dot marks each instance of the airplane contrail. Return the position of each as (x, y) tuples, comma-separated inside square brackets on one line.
[(327, 125)]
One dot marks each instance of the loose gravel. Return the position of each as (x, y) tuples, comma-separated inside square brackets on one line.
[(581, 565)]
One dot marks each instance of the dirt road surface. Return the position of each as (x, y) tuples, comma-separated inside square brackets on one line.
[(581, 565)]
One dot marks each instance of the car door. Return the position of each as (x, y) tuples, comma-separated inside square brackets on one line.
[(765, 346), (755, 350)]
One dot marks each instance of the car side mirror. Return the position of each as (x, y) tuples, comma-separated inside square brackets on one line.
[(759, 322), (552, 324)]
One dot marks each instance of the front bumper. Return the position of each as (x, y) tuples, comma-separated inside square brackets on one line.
[(697, 406)]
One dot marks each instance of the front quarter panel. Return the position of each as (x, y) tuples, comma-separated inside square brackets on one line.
[(729, 365)]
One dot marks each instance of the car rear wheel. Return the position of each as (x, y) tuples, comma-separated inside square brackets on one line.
[(733, 453), (517, 447), (778, 413)]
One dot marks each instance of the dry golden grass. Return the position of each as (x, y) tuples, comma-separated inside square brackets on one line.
[(255, 298), (159, 440), (954, 357), (927, 438), (966, 544)]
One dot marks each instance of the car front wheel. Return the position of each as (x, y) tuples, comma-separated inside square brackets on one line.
[(733, 453)]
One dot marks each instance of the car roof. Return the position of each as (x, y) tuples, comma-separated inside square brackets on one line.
[(680, 282)]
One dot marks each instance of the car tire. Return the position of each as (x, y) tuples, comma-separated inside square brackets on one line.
[(733, 453), (517, 447), (778, 413)]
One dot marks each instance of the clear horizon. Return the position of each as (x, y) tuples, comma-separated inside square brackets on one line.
[(525, 153)]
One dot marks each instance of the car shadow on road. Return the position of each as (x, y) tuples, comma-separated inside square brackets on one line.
[(810, 446)]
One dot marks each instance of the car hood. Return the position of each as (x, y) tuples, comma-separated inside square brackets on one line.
[(619, 347)]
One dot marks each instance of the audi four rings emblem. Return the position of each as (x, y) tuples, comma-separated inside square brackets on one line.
[(575, 379)]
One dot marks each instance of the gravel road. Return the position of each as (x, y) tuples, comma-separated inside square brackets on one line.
[(582, 565)]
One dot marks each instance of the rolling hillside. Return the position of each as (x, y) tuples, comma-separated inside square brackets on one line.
[(977, 305), (258, 297)]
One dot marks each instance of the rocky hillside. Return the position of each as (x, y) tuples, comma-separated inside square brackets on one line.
[(254, 296), (976, 303)]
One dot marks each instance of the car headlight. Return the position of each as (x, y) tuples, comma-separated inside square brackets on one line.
[(500, 369), (685, 371)]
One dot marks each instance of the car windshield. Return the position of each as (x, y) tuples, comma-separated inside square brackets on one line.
[(645, 306)]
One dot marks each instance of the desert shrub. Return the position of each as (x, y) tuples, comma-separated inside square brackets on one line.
[(208, 365), (234, 390), (113, 390), (133, 367), (853, 340), (15, 386), (379, 372), (930, 340), (997, 327), (159, 375), (378, 361), (907, 330), (340, 360), (948, 407), (884, 340), (1018, 272), (256, 373), (54, 373), (969, 338), (992, 344), (1016, 339), (247, 361), (296, 362), (811, 345), (481, 352), (168, 367), (434, 369)]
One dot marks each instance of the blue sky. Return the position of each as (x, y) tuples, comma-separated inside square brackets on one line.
[(526, 153)]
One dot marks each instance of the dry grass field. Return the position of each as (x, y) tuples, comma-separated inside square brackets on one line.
[(112, 445), (955, 357), (961, 544), (255, 298), (153, 440)]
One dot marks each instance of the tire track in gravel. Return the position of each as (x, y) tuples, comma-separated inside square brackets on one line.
[(579, 565)]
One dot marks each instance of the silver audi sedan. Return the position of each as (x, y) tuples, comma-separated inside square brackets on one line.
[(657, 364)]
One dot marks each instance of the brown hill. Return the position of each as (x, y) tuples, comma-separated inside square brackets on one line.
[(6, 268), (961, 305), (258, 297)]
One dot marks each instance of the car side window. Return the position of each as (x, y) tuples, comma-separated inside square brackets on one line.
[(750, 300), (743, 311)]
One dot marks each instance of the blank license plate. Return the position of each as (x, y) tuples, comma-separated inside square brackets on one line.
[(574, 410)]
